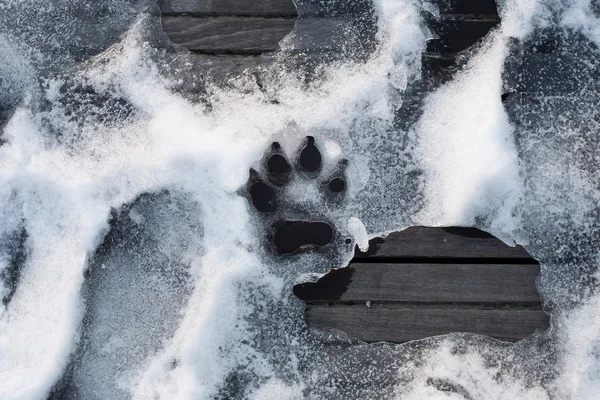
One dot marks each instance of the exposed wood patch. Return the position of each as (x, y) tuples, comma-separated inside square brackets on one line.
[(468, 7), (402, 323), (457, 28), (430, 281), (326, 30), (459, 32), (228, 26), (262, 8), (227, 35), (256, 35), (451, 283)]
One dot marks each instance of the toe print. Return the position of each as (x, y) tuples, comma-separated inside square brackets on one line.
[(337, 185), (278, 166), (293, 235), (263, 197), (275, 189), (310, 156)]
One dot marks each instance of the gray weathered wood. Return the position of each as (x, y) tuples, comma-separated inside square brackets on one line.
[(458, 32), (220, 68), (402, 323), (321, 8), (243, 35), (423, 242), (262, 8), (227, 34), (452, 283), (319, 34), (430, 281), (468, 7)]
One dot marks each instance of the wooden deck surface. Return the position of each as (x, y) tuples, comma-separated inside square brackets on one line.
[(229, 37), (412, 284)]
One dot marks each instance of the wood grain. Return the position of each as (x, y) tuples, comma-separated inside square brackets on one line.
[(262, 8), (457, 34), (424, 242), (227, 34), (402, 323), (468, 7), (241, 35), (452, 283), (424, 282), (266, 8), (222, 67), (334, 8), (319, 34)]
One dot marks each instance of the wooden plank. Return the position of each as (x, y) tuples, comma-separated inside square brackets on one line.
[(438, 68), (228, 34), (456, 33), (266, 8), (319, 34), (220, 68), (335, 8), (403, 323), (262, 8), (238, 35), (455, 242), (453, 283), (468, 7)]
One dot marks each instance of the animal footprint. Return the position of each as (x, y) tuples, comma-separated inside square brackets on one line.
[(293, 199)]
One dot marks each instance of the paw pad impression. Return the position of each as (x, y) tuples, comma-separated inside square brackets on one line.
[(275, 194)]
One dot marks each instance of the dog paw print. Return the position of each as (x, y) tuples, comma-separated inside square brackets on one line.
[(294, 198)]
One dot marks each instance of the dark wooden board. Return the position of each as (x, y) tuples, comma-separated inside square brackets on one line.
[(262, 8), (416, 282), (241, 35), (265, 8), (320, 34), (227, 34), (424, 242), (220, 68), (457, 33), (402, 323), (334, 8), (424, 282), (468, 7)]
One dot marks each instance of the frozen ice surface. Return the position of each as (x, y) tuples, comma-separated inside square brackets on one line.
[(142, 273)]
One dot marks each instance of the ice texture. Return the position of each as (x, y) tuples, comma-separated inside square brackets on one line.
[(131, 268)]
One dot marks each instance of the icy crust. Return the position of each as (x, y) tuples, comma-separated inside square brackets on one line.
[(145, 275), (59, 33), (135, 285)]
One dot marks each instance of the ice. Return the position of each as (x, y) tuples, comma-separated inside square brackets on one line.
[(145, 274)]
